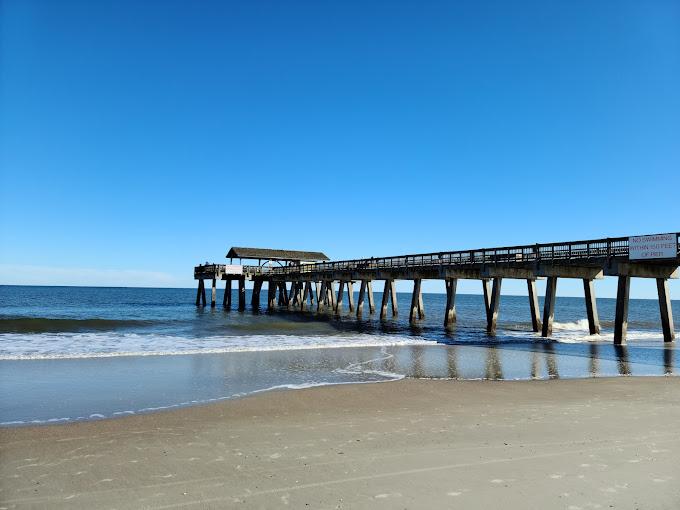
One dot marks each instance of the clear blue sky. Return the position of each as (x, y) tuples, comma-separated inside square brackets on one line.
[(140, 138)]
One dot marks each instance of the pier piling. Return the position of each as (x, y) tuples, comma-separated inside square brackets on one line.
[(621, 320), (591, 307), (198, 292), (306, 295), (533, 306), (360, 301), (495, 303), (319, 286), (417, 310), (450, 312), (666, 310), (549, 306), (369, 295), (255, 298), (486, 286), (241, 294), (226, 299), (271, 294), (350, 295), (338, 301), (385, 299)]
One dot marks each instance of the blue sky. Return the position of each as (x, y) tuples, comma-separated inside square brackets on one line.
[(140, 138)]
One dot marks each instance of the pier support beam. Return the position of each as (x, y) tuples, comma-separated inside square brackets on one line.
[(296, 289), (330, 295), (450, 313), (621, 320), (591, 307), (360, 301), (292, 294), (281, 286), (486, 286), (417, 309), (393, 298), (350, 295), (549, 306), (306, 294), (255, 298), (226, 299), (666, 310), (338, 301), (213, 294), (241, 294), (320, 290), (369, 293), (389, 293), (271, 294), (200, 291), (493, 308), (533, 306)]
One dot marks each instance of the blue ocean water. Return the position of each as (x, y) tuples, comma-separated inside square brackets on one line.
[(69, 353)]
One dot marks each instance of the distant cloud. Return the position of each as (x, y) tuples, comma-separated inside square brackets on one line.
[(11, 274)]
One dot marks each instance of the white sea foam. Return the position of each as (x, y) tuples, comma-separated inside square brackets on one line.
[(580, 325), (16, 346), (578, 332)]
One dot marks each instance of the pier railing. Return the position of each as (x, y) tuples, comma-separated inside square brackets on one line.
[(565, 252)]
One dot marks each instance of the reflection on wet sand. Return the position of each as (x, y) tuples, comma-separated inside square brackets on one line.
[(551, 360), (417, 355), (451, 362), (493, 364), (668, 354), (536, 361), (594, 360), (535, 365), (622, 359)]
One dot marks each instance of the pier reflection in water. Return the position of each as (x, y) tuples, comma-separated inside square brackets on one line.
[(547, 360)]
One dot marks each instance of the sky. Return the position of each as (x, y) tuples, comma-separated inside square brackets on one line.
[(140, 138)]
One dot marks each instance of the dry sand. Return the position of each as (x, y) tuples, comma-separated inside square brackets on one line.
[(577, 444)]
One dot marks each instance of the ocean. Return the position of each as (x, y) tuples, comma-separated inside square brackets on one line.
[(82, 353)]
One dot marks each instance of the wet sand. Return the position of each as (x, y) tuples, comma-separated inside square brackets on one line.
[(573, 444)]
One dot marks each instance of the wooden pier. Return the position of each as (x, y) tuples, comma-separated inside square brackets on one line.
[(307, 280)]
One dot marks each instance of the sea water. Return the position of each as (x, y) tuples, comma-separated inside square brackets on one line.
[(74, 353)]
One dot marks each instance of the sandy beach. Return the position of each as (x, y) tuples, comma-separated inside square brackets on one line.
[(573, 444)]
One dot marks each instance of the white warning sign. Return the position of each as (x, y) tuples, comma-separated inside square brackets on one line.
[(659, 246)]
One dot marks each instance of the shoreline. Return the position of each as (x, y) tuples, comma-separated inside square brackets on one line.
[(43, 392), (411, 443), (122, 415)]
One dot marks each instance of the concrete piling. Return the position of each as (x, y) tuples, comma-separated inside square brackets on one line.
[(591, 306), (666, 310), (621, 319), (241, 294), (417, 310), (533, 306), (549, 306), (494, 305), (450, 312)]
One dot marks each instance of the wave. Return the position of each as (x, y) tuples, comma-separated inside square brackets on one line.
[(99, 345), (579, 325), (51, 325)]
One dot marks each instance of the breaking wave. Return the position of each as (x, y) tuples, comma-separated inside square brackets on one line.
[(14, 346), (52, 325)]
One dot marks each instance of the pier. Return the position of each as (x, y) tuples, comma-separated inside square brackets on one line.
[(309, 281)]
